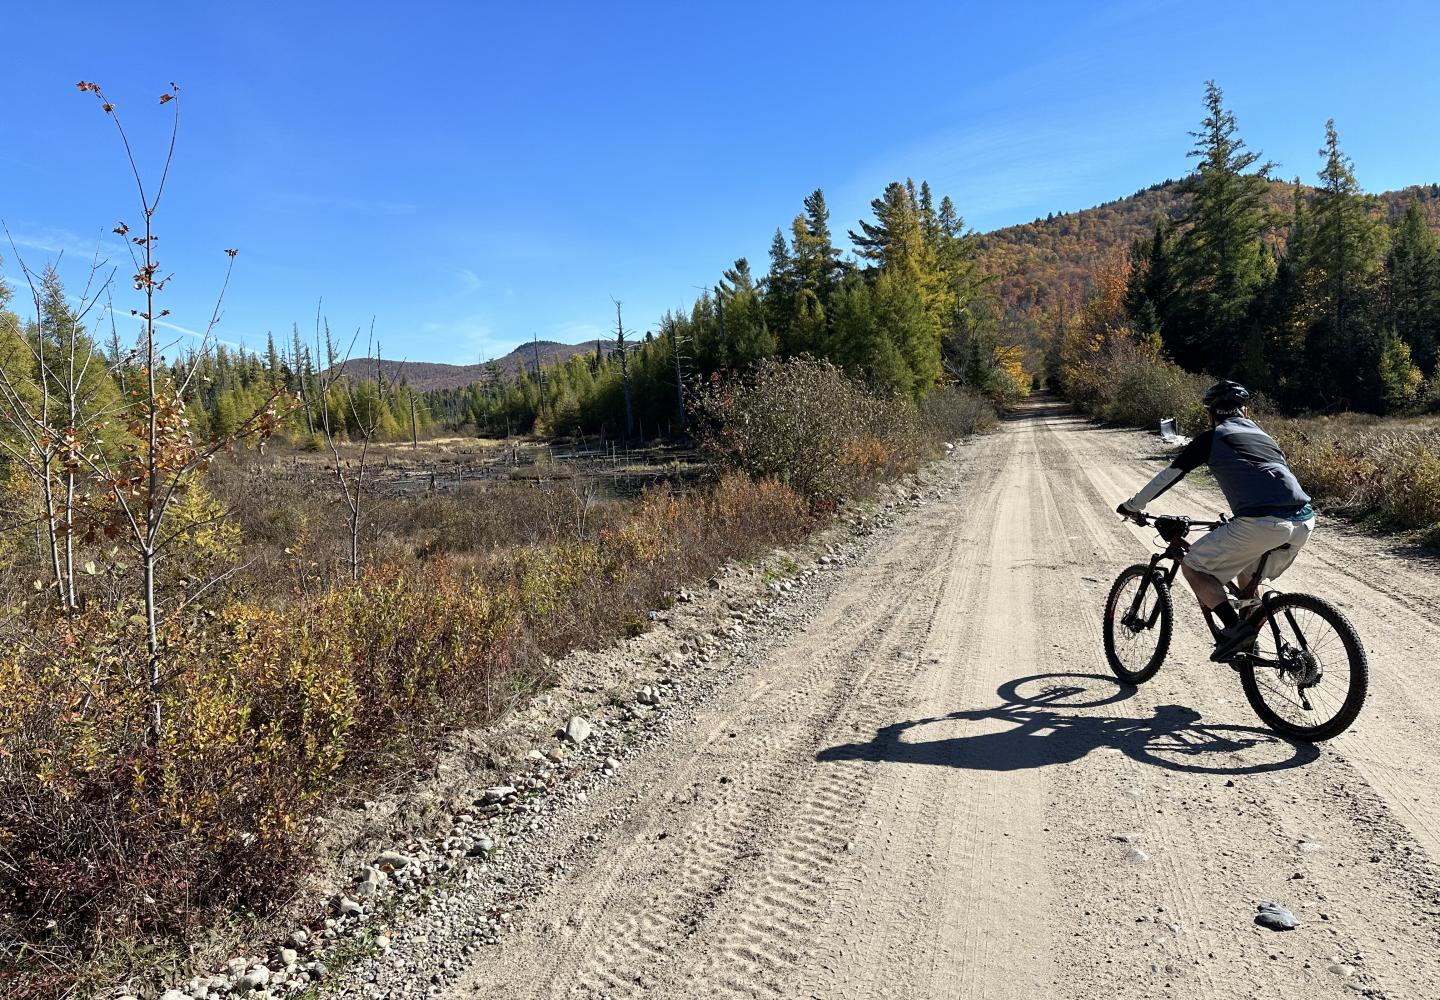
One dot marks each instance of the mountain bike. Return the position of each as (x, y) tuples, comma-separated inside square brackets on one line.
[(1306, 673)]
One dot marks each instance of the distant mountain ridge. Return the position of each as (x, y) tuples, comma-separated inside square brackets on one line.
[(425, 376), (1054, 260)]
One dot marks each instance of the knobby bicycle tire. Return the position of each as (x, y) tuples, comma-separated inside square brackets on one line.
[(1359, 673), (1165, 623)]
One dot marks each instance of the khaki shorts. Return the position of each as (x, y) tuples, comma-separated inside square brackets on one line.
[(1234, 549)]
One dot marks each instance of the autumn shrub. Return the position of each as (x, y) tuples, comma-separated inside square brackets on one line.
[(803, 422), (1385, 469), (1129, 381), (271, 712), (950, 413)]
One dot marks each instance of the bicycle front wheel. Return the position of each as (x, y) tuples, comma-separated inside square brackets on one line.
[(1138, 620), (1307, 675)]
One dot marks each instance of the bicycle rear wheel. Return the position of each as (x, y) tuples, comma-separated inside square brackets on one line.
[(1138, 637), (1307, 675)]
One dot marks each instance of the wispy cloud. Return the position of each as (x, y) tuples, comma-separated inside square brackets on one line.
[(469, 280), (51, 240), (995, 171)]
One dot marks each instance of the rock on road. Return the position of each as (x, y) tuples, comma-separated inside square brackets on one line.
[(934, 788)]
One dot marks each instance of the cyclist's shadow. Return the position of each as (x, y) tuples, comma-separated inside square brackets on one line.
[(1054, 719)]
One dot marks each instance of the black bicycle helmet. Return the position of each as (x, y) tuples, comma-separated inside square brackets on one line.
[(1226, 397)]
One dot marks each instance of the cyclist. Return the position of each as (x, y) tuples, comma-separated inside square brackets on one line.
[(1270, 509)]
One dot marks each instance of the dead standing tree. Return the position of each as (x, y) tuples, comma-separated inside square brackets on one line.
[(361, 422), (620, 353)]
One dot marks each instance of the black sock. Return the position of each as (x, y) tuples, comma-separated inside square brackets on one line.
[(1227, 614)]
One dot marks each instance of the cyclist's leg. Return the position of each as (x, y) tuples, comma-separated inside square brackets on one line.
[(1223, 554), (1208, 590)]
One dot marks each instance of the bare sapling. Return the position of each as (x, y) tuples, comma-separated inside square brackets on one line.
[(158, 456), (337, 402)]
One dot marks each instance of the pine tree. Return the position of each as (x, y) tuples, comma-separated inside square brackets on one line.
[(817, 261), (894, 238), (1346, 256), (781, 286), (1220, 257), (747, 338), (1413, 269)]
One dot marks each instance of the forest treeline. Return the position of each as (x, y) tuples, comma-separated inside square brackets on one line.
[(1326, 305), (913, 311)]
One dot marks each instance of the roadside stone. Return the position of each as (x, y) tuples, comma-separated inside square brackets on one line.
[(577, 730), (348, 907), (1276, 917), (257, 977), (498, 793), (394, 861)]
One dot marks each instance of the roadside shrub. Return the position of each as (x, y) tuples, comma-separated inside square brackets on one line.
[(803, 422), (950, 413), (1129, 381), (1368, 467)]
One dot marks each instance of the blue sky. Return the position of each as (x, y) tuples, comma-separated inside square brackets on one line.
[(471, 173)]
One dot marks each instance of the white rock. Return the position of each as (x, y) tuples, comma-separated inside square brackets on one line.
[(498, 793), (257, 977), (577, 730)]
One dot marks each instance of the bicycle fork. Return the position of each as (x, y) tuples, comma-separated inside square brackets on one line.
[(1133, 615)]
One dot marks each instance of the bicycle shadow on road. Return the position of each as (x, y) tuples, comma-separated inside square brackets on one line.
[(1053, 719)]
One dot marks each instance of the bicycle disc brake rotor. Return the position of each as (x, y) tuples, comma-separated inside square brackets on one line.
[(1300, 666)]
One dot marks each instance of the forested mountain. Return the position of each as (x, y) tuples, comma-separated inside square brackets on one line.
[(424, 376), (1313, 291), (1053, 261)]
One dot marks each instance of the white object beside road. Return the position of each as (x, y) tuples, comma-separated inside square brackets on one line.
[(1170, 434)]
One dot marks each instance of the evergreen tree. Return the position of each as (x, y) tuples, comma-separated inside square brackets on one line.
[(817, 261), (1346, 257), (747, 338), (781, 287), (1413, 270), (1220, 256)]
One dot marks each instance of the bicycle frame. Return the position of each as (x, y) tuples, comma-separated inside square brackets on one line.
[(1175, 551)]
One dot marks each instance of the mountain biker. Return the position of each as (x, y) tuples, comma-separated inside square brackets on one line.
[(1270, 510)]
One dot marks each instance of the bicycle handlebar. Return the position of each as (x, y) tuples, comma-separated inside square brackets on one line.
[(1146, 520)]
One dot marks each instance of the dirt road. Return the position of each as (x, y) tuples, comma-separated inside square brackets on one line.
[(935, 790)]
